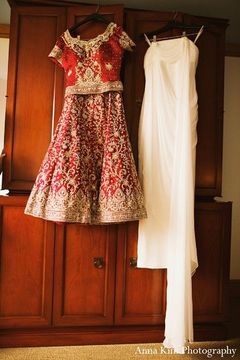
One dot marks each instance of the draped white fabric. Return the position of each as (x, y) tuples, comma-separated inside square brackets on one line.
[(167, 151)]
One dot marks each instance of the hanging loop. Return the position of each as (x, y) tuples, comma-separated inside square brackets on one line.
[(98, 7)]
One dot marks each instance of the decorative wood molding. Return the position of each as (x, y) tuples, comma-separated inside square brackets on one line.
[(47, 3), (232, 50), (234, 288), (101, 335), (4, 30)]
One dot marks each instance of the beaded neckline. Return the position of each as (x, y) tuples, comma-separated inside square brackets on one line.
[(99, 38)]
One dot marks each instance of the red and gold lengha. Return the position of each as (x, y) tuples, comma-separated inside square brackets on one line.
[(88, 174)]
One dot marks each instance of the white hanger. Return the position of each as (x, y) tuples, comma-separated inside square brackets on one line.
[(154, 39)]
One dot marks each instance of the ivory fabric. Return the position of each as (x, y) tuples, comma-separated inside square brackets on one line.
[(167, 151)]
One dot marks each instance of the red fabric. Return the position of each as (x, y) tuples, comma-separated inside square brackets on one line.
[(101, 57), (88, 174)]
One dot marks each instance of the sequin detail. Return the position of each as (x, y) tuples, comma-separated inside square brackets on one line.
[(92, 66), (88, 174)]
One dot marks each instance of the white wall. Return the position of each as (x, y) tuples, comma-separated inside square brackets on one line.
[(4, 45), (231, 155)]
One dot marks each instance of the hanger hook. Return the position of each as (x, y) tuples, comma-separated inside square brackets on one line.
[(175, 15), (98, 7)]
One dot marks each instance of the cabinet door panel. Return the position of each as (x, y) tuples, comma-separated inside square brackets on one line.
[(210, 85), (84, 291), (140, 293), (26, 267), (137, 23), (34, 93), (210, 282)]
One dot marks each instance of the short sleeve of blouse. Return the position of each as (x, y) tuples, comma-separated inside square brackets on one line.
[(124, 40), (56, 53)]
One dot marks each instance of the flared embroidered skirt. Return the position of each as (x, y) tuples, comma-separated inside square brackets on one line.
[(88, 174)]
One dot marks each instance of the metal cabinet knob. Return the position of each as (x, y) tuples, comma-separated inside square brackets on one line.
[(133, 262), (98, 262)]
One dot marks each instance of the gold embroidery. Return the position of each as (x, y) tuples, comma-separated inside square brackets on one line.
[(88, 174), (92, 44), (56, 53), (87, 73), (61, 208), (93, 88), (108, 66), (126, 42)]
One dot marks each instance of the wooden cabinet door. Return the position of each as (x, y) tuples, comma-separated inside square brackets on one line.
[(34, 93), (210, 89), (140, 293), (210, 282), (35, 86), (137, 23), (209, 86), (26, 266), (84, 275), (84, 289)]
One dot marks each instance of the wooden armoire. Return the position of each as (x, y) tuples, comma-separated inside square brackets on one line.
[(77, 284)]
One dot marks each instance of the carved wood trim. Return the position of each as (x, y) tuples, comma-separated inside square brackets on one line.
[(130, 280), (15, 176), (37, 316), (101, 335), (232, 50), (47, 3), (212, 305), (4, 31), (234, 288), (65, 313)]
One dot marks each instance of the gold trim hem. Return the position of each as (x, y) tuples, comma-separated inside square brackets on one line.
[(88, 88), (97, 220)]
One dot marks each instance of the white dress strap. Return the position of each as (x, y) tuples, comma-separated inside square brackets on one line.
[(147, 39), (198, 34)]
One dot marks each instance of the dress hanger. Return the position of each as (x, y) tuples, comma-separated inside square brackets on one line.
[(184, 34), (92, 17), (171, 25)]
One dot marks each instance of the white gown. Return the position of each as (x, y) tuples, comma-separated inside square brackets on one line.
[(167, 151)]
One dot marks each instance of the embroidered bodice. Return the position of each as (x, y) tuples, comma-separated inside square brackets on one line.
[(92, 66)]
